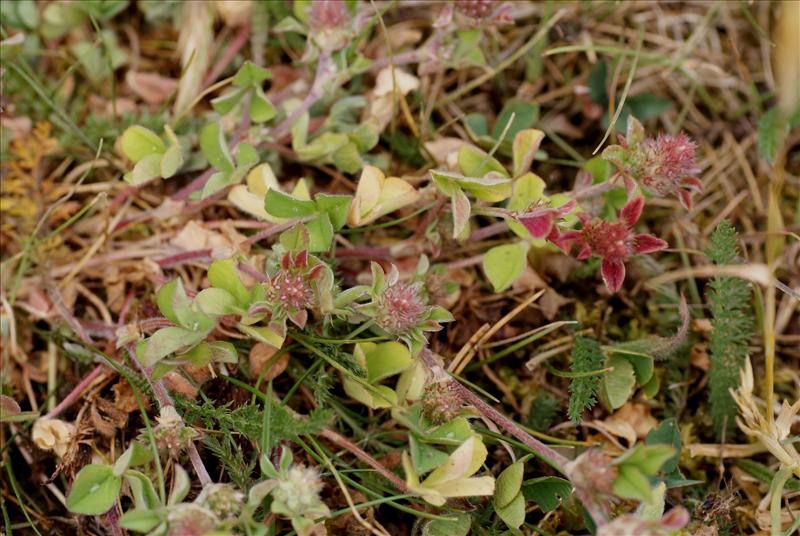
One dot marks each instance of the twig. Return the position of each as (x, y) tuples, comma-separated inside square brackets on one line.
[(163, 399), (550, 456), (227, 57), (343, 442), (76, 393)]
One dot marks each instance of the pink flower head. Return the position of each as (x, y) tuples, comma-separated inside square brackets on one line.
[(292, 286), (665, 165), (672, 167), (614, 242), (540, 220), (403, 307)]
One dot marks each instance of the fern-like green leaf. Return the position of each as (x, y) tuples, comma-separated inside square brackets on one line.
[(732, 328), (587, 356)]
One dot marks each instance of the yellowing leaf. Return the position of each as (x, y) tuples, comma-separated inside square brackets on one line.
[(453, 478), (378, 195)]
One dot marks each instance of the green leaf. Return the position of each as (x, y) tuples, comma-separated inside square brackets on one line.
[(477, 125), (425, 457), (261, 109), (387, 359), (504, 264), (771, 130), (527, 189), (647, 458), (524, 113), (134, 455), (146, 169), (336, 206), (226, 102), (167, 341), (526, 143), (222, 274), (171, 162), (619, 382), (263, 334), (320, 233), (546, 491), (140, 520), (216, 302), (142, 489), (215, 148), (632, 484), (138, 142), (181, 485), (249, 74), (512, 514), (667, 433), (283, 205), (653, 510), (476, 163), (461, 208), (347, 158), (94, 491), (454, 525), (246, 156), (508, 485), (165, 297)]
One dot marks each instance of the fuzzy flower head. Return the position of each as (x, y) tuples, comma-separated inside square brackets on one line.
[(401, 308), (614, 242), (540, 219), (170, 432), (292, 287), (331, 24), (223, 499), (440, 404), (294, 489), (189, 519), (664, 166)]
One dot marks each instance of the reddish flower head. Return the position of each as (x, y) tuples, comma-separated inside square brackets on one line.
[(614, 242), (402, 308), (665, 165), (541, 220), (291, 286)]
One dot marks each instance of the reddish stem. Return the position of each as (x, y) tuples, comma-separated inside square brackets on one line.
[(186, 256), (76, 393), (236, 45)]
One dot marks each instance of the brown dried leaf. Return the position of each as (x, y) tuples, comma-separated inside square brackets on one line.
[(151, 87), (260, 356)]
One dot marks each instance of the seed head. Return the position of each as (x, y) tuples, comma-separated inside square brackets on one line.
[(297, 491), (401, 308)]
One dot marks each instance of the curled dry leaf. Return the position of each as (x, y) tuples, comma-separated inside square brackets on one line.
[(445, 151), (261, 356), (53, 434), (637, 416), (195, 236), (377, 195), (388, 85), (151, 87)]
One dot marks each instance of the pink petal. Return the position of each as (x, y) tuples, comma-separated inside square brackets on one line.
[(538, 224), (299, 317), (567, 207), (685, 198), (632, 211), (613, 273), (584, 217), (630, 185), (301, 259), (585, 252), (645, 243), (693, 184), (563, 241)]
